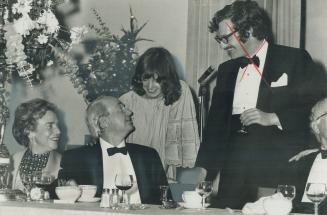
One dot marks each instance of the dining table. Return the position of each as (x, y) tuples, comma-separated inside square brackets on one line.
[(82, 208)]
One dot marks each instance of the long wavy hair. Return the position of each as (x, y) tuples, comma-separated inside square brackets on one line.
[(245, 15), (158, 61), (26, 116)]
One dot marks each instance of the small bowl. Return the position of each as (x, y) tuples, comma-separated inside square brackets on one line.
[(88, 191), (69, 193)]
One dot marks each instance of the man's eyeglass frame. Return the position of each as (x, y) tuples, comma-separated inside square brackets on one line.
[(319, 117), (224, 39)]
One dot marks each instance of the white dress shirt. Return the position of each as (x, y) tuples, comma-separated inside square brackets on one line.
[(318, 174), (118, 163), (247, 85)]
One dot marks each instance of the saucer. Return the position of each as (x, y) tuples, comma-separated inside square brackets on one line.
[(94, 199), (63, 201), (192, 206)]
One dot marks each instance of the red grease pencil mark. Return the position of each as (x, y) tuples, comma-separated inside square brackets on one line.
[(247, 54)]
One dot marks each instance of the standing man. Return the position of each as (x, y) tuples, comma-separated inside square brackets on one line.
[(259, 115), (110, 121)]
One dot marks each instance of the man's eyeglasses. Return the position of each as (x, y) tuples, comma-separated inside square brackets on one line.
[(319, 117), (224, 39)]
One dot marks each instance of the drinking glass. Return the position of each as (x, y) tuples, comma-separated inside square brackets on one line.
[(27, 180), (316, 192), (163, 194), (124, 182), (42, 180), (242, 130), (204, 188), (288, 191)]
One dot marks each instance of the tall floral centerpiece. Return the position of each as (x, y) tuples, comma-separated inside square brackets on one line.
[(28, 33), (112, 61)]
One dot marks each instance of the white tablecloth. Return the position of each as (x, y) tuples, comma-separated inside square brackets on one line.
[(49, 208)]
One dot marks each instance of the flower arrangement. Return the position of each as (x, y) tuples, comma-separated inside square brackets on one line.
[(28, 34), (29, 42), (112, 61), (29, 26)]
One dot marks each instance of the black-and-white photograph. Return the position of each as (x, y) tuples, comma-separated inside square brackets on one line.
[(163, 107)]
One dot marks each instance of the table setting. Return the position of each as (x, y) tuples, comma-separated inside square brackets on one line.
[(73, 197)]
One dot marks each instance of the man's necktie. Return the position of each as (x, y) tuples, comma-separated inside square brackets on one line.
[(114, 150), (244, 61)]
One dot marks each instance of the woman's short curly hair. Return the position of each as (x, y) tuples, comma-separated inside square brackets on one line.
[(158, 60), (26, 116), (245, 15)]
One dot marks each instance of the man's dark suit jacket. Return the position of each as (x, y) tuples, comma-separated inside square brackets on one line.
[(85, 166), (291, 103)]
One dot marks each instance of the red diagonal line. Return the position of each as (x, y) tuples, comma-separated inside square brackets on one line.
[(246, 53), (243, 73), (251, 58), (260, 47)]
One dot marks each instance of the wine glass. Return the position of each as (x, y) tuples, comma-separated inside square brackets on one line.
[(316, 192), (27, 180), (163, 194), (242, 130), (204, 188), (288, 191), (42, 180), (124, 182)]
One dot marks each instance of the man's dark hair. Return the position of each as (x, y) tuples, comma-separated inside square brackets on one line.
[(244, 15), (158, 61)]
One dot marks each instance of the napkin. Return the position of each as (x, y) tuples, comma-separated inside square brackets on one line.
[(282, 81), (276, 204), (253, 208)]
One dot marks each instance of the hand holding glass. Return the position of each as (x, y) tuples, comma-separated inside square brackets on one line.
[(316, 192), (42, 180), (288, 191), (204, 189)]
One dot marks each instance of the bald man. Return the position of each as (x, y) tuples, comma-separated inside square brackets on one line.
[(316, 156), (110, 122)]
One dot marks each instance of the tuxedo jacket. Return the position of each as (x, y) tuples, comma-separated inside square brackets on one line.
[(292, 103), (85, 166)]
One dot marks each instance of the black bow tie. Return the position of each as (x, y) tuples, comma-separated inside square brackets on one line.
[(114, 150), (323, 154), (244, 61)]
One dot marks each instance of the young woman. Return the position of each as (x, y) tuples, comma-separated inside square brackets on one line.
[(163, 111)]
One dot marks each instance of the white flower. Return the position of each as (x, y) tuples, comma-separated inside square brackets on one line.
[(49, 63), (49, 21), (49, 3), (77, 34), (24, 25), (15, 48), (6, 15), (25, 69), (42, 39), (22, 6)]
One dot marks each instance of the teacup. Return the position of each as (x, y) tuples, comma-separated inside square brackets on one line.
[(191, 198), (69, 193), (88, 191)]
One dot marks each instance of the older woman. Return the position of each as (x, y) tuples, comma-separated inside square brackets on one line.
[(163, 110), (35, 127)]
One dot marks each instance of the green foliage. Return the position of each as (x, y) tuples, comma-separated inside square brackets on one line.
[(111, 67)]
